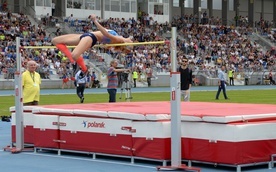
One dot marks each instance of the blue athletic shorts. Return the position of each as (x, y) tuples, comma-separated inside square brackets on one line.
[(92, 36)]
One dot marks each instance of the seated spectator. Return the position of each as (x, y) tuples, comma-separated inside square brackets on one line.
[(270, 77), (5, 72), (58, 31), (65, 79), (4, 6), (93, 78), (71, 20)]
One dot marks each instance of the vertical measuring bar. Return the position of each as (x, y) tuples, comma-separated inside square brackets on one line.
[(175, 106), (18, 99)]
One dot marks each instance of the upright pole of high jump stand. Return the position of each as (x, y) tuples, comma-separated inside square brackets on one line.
[(175, 106), (175, 86), (18, 100)]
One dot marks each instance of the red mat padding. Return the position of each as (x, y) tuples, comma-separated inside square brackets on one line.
[(212, 132), (209, 112), (188, 108)]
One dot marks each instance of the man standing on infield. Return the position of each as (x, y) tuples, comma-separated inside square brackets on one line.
[(113, 80), (221, 83), (31, 85), (185, 79)]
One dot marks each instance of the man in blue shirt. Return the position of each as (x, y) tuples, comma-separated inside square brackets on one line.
[(221, 83)]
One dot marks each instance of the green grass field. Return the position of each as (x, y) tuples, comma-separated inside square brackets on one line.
[(241, 96)]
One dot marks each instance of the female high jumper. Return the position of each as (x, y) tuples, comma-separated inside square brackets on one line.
[(87, 40)]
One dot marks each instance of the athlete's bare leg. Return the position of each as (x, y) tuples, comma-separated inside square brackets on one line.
[(68, 39), (83, 45), (62, 41)]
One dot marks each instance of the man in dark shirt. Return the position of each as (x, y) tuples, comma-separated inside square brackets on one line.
[(185, 79)]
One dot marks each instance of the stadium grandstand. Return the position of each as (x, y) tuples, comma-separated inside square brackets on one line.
[(240, 34)]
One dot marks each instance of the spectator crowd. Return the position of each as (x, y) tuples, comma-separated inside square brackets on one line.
[(208, 45)]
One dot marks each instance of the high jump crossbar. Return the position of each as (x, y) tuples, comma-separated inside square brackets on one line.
[(104, 45)]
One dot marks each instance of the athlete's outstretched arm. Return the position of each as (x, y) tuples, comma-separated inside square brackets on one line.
[(103, 30)]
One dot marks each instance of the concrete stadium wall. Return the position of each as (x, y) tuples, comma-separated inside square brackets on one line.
[(45, 83), (163, 80), (160, 80)]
